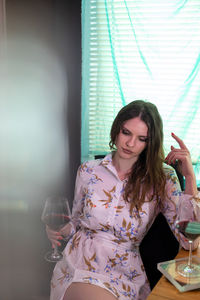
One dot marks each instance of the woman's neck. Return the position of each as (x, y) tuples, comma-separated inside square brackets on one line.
[(122, 166)]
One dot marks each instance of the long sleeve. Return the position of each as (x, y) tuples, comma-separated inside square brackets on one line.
[(170, 207), (196, 205), (78, 202)]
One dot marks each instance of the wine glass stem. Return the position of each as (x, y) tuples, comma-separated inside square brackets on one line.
[(190, 254), (55, 250)]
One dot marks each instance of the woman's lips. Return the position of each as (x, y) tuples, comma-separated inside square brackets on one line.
[(127, 151)]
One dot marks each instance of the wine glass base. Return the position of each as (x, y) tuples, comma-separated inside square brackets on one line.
[(189, 271), (53, 257)]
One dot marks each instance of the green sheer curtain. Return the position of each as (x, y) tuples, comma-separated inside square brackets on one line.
[(141, 50)]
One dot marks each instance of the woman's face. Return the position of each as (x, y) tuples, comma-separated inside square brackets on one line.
[(132, 139)]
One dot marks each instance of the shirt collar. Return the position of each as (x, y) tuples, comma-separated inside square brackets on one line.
[(107, 163)]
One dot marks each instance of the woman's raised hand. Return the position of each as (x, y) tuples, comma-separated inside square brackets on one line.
[(181, 156)]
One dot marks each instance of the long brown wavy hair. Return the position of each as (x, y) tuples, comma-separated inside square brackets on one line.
[(147, 178)]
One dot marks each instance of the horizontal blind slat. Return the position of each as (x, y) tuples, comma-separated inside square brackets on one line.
[(153, 55)]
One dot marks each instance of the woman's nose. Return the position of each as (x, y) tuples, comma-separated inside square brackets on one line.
[(130, 142)]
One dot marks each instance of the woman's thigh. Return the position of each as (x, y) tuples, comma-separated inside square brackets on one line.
[(86, 291)]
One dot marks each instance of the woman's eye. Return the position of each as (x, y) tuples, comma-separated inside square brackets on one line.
[(126, 132), (143, 140)]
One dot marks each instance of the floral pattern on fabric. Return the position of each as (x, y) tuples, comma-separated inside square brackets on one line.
[(104, 249)]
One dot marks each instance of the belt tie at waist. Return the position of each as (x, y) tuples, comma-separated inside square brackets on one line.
[(111, 240)]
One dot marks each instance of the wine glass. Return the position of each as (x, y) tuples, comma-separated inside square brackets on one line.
[(191, 230), (56, 214)]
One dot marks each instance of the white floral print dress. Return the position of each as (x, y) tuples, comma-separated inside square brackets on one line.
[(104, 247)]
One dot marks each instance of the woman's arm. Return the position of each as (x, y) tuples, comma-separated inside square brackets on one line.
[(71, 227), (182, 157), (79, 197), (175, 197)]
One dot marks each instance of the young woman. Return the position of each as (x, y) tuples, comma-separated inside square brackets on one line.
[(116, 201)]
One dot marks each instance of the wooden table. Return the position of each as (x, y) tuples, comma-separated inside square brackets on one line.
[(164, 290)]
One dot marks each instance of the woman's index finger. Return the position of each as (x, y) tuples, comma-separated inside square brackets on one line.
[(179, 141)]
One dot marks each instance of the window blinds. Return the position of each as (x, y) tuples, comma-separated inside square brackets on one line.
[(140, 50)]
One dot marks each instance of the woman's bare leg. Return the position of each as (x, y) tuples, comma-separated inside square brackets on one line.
[(86, 291)]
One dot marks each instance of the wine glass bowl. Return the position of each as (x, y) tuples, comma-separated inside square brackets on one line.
[(56, 220), (191, 230), (56, 214)]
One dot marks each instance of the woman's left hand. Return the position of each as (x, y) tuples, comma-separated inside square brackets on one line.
[(182, 157)]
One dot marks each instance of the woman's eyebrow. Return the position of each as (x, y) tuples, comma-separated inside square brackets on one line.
[(140, 136), (124, 128)]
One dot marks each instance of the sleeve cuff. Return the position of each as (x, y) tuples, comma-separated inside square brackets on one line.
[(196, 205)]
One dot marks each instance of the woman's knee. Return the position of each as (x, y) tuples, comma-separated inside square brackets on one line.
[(85, 291)]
